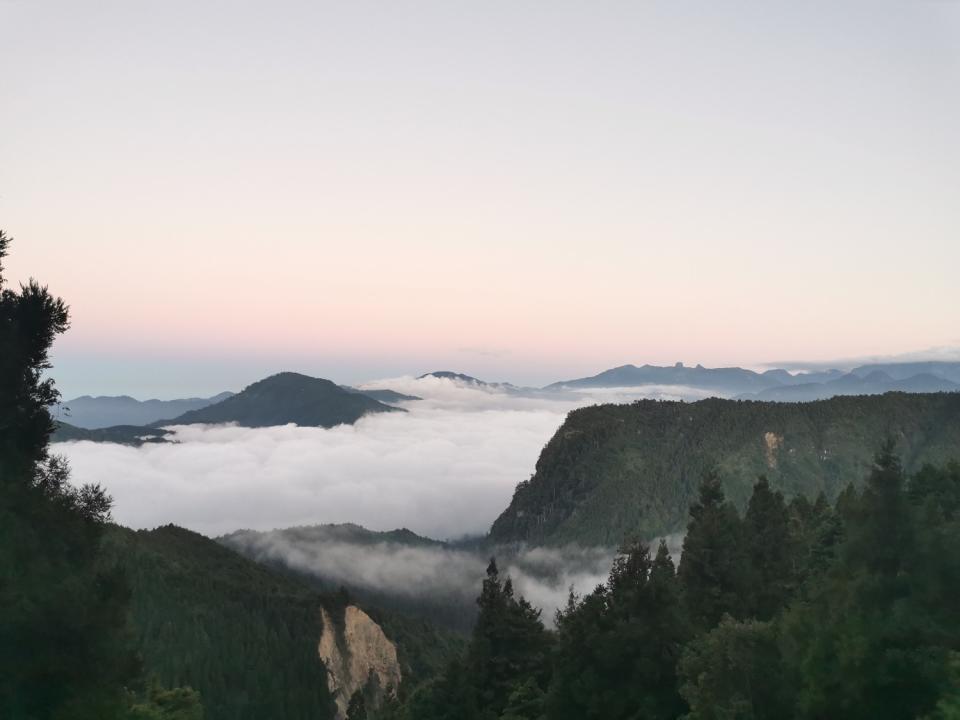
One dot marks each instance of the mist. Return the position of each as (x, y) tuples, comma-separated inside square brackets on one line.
[(544, 576), (444, 469)]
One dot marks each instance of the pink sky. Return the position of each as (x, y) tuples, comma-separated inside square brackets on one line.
[(527, 193)]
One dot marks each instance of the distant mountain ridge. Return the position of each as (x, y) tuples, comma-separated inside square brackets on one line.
[(876, 382), (779, 384), (470, 380), (384, 396), (109, 411)]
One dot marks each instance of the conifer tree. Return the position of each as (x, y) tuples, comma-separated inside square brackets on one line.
[(509, 643), (617, 649), (770, 550), (714, 567)]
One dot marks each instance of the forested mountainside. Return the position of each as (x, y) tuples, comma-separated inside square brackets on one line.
[(613, 471), (242, 634)]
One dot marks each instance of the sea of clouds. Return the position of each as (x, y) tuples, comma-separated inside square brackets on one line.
[(444, 469)]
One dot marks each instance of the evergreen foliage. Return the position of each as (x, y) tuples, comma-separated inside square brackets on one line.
[(508, 645), (714, 567), (799, 611)]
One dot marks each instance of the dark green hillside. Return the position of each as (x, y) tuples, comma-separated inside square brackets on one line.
[(615, 470), (205, 617), (245, 635), (287, 398)]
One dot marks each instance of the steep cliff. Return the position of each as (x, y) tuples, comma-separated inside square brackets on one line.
[(358, 656)]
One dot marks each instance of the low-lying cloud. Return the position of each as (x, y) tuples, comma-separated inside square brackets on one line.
[(544, 576), (444, 469)]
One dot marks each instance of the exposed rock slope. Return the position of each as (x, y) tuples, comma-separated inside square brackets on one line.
[(358, 656)]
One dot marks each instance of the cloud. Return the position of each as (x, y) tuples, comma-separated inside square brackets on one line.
[(446, 468), (544, 576)]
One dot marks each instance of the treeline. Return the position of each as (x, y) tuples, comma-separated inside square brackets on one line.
[(790, 610)]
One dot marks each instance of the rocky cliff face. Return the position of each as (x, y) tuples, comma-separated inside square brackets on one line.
[(358, 656)]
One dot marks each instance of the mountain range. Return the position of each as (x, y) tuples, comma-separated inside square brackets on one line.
[(780, 384), (105, 411), (289, 397)]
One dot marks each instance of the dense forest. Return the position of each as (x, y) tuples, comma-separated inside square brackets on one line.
[(244, 634), (800, 610), (614, 471)]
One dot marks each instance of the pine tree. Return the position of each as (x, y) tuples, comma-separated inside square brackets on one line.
[(617, 649), (509, 643), (770, 550), (714, 567)]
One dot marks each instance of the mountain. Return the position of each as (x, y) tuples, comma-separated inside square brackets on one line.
[(781, 385), (876, 382), (104, 411), (286, 398), (731, 380), (901, 371), (254, 641), (470, 380), (616, 470), (384, 396)]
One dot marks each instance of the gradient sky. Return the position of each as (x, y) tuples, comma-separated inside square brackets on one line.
[(526, 191)]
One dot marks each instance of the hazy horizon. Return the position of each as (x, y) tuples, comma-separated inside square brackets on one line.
[(520, 193), (206, 379)]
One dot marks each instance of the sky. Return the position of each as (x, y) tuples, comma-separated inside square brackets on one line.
[(520, 191)]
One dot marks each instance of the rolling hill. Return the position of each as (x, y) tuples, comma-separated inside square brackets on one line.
[(286, 398), (616, 470)]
